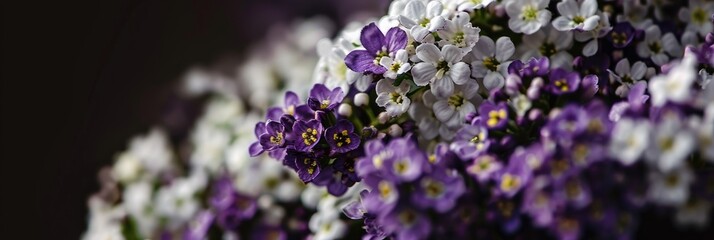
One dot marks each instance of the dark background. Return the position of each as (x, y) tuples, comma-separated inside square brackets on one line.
[(80, 78)]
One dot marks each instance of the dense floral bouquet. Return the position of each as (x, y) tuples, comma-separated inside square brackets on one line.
[(484, 119)]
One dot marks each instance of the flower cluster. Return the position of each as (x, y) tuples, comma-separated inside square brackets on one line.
[(513, 118), (208, 185)]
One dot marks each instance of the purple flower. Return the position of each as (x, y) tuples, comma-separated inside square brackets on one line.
[(571, 121), (375, 156), (438, 190), (539, 203), (621, 35), (306, 134), (470, 141), (562, 81), (534, 67), (494, 116), (377, 46), (341, 137), (256, 148), (274, 136), (484, 167), (307, 167), (406, 223), (289, 107), (198, 228), (408, 161), (322, 98), (516, 175), (382, 197)]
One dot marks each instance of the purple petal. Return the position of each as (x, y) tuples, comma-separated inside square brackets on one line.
[(363, 62), (372, 38), (396, 39), (255, 149)]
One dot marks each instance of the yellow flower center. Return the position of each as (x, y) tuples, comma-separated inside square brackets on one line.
[(309, 136)]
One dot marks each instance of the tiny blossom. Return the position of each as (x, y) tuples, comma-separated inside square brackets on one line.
[(697, 16), (377, 46), (551, 43), (441, 69), (396, 66), (576, 15), (492, 60), (629, 139), (627, 76), (460, 33), (452, 110), (527, 16), (675, 85), (393, 99), (423, 19), (657, 47), (670, 145)]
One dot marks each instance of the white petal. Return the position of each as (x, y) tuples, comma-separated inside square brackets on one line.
[(460, 72), (568, 8), (590, 48), (660, 59), (415, 10), (469, 89), (386, 62), (401, 56), (437, 23), (671, 45), (504, 49), (591, 23), (407, 22), (429, 53), (623, 67), (638, 70), (562, 24), (423, 73), (434, 8), (652, 33), (451, 53), (363, 82), (588, 8), (443, 111), (643, 50), (478, 70), (384, 86), (443, 87), (493, 80), (484, 48)]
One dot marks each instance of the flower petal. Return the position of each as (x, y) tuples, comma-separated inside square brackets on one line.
[(423, 73), (372, 38), (460, 72), (504, 49), (396, 39)]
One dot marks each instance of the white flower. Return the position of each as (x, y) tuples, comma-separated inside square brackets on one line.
[(153, 150), (602, 28), (629, 139), (138, 200), (460, 33), (635, 13), (327, 226), (697, 16), (423, 115), (546, 42), (105, 220), (576, 16), (393, 99), (527, 16), (657, 47), (670, 145), (422, 20), (177, 202), (398, 65), (470, 5), (694, 213), (521, 103), (492, 60), (670, 188), (627, 76), (210, 144), (331, 69), (441, 69), (675, 85), (453, 109), (127, 168), (705, 134)]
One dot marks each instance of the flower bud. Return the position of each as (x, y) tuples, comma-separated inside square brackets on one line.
[(361, 99), (345, 110), (395, 130), (383, 117)]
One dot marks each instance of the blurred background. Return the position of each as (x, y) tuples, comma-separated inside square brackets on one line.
[(81, 78)]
